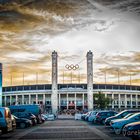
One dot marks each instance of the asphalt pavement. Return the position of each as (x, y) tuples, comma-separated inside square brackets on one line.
[(67, 129)]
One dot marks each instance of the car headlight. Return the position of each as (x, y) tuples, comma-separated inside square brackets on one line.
[(116, 124)]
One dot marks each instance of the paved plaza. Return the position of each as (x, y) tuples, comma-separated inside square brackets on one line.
[(66, 129)]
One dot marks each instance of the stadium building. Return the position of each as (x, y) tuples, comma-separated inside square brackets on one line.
[(71, 96)]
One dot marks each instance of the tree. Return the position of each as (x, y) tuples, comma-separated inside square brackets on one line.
[(100, 101)]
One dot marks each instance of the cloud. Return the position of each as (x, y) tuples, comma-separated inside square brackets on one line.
[(123, 65), (30, 30)]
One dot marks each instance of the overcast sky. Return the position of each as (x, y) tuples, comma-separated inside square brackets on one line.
[(31, 29)]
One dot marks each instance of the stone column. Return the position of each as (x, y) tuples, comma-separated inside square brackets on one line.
[(119, 101), (0, 84), (67, 102), (59, 101), (44, 99), (125, 99), (54, 97), (83, 101), (90, 80), (29, 98), (10, 99), (16, 102), (136, 97), (23, 99), (75, 101), (36, 98), (112, 100), (131, 99)]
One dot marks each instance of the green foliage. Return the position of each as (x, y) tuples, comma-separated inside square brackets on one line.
[(100, 101)]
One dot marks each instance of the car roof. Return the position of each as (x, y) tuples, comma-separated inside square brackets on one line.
[(106, 111)]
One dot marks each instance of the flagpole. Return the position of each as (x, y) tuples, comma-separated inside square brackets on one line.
[(11, 80), (23, 78)]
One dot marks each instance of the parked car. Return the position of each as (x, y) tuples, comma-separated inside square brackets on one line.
[(22, 122), (132, 130), (5, 120), (78, 116), (128, 115), (51, 117), (92, 116), (87, 116), (119, 124), (34, 109), (102, 115), (43, 119), (84, 115), (27, 116), (45, 116), (120, 115)]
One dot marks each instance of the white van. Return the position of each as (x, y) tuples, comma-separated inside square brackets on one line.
[(5, 119)]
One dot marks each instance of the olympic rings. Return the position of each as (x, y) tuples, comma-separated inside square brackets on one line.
[(72, 67)]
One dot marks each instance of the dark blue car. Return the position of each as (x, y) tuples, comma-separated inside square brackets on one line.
[(132, 130)]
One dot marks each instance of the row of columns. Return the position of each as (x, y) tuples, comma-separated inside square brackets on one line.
[(44, 99), (125, 100), (75, 99)]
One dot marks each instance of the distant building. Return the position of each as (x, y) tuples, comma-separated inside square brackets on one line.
[(71, 96)]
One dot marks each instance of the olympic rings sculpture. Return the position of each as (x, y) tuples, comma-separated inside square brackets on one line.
[(72, 67)]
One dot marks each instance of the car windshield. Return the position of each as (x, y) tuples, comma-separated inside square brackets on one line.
[(120, 113), (94, 113), (132, 116), (128, 115), (88, 113)]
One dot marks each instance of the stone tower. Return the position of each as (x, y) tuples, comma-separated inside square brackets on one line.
[(54, 96), (0, 85), (90, 80)]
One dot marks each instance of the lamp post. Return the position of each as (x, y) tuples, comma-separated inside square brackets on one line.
[(36, 78), (130, 80), (23, 78), (11, 79), (118, 76), (105, 77)]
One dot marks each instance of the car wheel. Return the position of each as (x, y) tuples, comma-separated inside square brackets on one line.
[(124, 132), (117, 131), (22, 125), (122, 129)]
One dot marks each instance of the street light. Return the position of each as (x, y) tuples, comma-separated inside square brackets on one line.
[(105, 77), (118, 76), (130, 79)]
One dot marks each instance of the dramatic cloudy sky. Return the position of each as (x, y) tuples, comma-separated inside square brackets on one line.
[(31, 29)]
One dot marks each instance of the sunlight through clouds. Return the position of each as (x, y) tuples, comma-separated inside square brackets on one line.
[(30, 30)]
